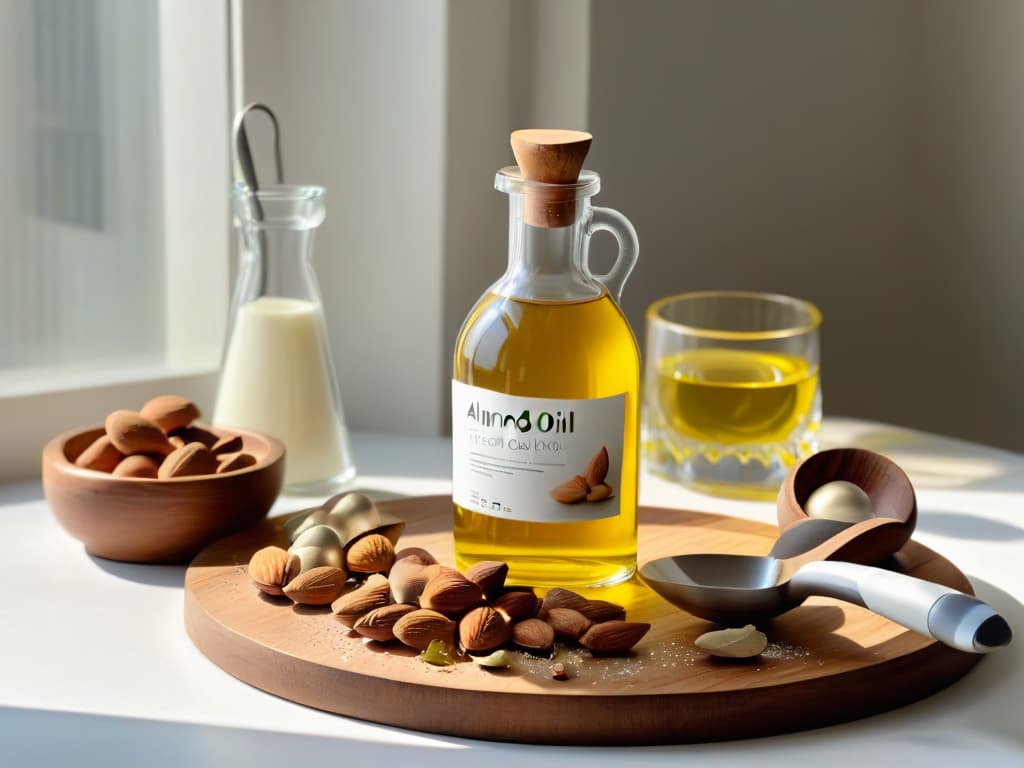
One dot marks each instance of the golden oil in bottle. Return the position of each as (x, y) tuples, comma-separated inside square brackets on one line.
[(546, 385)]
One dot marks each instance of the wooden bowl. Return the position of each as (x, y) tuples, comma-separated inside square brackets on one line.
[(143, 520), (886, 484)]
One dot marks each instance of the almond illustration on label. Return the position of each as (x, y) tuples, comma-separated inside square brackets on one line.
[(588, 487)]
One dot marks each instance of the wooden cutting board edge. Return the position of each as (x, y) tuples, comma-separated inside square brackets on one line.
[(572, 717)]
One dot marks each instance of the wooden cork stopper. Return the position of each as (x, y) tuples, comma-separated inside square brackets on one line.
[(552, 157)]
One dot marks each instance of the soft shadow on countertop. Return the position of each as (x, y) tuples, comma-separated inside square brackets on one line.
[(963, 526), (143, 573)]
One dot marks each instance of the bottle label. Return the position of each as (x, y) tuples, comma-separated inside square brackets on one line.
[(536, 459)]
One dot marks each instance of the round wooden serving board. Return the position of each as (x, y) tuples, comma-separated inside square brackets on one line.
[(827, 661)]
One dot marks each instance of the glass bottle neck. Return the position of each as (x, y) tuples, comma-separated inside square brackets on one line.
[(547, 263)]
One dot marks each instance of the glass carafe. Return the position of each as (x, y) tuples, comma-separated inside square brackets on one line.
[(545, 398), (277, 376)]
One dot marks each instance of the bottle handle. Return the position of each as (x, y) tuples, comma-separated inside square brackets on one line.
[(610, 220)]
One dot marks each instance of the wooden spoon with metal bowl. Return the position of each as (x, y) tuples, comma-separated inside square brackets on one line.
[(893, 504)]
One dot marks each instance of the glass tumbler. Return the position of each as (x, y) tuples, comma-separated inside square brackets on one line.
[(732, 393)]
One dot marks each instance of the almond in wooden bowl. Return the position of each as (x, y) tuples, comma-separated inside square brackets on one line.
[(149, 520)]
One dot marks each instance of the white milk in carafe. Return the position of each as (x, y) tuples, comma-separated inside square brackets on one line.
[(275, 380)]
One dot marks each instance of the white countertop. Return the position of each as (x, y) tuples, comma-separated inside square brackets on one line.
[(96, 668)]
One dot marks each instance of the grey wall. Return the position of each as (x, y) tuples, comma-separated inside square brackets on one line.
[(866, 156)]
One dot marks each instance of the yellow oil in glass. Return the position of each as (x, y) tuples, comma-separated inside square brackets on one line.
[(574, 350), (736, 397)]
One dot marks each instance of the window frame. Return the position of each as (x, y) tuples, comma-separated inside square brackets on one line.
[(195, 116)]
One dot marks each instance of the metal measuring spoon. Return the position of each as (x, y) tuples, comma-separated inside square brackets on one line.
[(742, 588)]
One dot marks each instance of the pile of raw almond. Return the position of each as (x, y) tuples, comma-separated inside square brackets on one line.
[(160, 441), (343, 554)]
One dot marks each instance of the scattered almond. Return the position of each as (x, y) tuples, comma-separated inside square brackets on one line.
[(187, 461), (534, 635), (450, 593), (561, 598), (601, 610), (740, 643), (489, 575), (597, 469), (568, 623), (318, 546), (271, 568), (319, 586), (600, 492), (137, 465), (612, 637), (418, 628), (379, 623), (483, 629), (131, 432), (518, 604), (408, 577), (370, 553), (100, 455), (572, 492), (374, 593)]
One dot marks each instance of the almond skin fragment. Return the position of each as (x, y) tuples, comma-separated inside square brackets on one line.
[(568, 624), (612, 637), (483, 629), (572, 492), (271, 568), (534, 636), (132, 432), (379, 624), (170, 412), (319, 586), (100, 455), (137, 465), (374, 593), (597, 469), (418, 628)]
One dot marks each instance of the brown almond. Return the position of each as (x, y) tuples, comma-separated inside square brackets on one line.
[(379, 624), (370, 553), (407, 578), (230, 462), (518, 604), (600, 492), (188, 461), (131, 432), (483, 629), (418, 628), (417, 554), (137, 465), (568, 624), (601, 610), (271, 568), (561, 598), (489, 575), (597, 469), (317, 586), (227, 444), (450, 593), (194, 434), (374, 593), (612, 637), (534, 635), (572, 492), (100, 455), (170, 412)]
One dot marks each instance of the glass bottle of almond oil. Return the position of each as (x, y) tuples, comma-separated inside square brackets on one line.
[(546, 383)]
